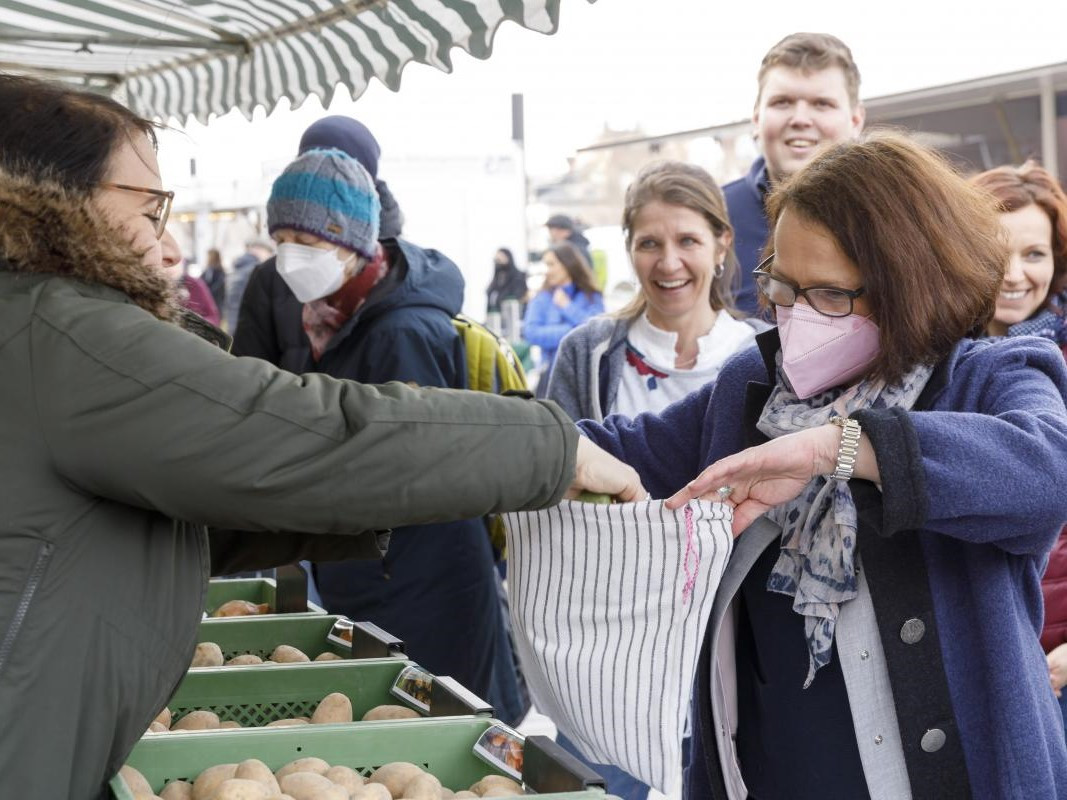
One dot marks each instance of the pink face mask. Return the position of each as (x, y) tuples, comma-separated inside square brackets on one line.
[(821, 352)]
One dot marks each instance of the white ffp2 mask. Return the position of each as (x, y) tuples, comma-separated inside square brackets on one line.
[(310, 272)]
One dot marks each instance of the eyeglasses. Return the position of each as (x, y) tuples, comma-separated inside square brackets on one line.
[(827, 300), (162, 210)]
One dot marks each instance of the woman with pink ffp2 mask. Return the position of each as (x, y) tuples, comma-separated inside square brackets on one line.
[(896, 484)]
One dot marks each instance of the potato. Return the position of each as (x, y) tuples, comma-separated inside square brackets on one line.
[(395, 776), (208, 654), (345, 776), (464, 795), (496, 786), (135, 780), (157, 727), (285, 723), (309, 786), (144, 796), (423, 787), (447, 794), (230, 724), (255, 770), (284, 654), (241, 789), (334, 707), (244, 660), (208, 781), (306, 764), (177, 790), (391, 712), (371, 791), (197, 721), (328, 656), (164, 718), (240, 608)]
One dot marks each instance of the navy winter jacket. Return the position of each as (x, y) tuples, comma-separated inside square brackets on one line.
[(744, 203), (436, 580)]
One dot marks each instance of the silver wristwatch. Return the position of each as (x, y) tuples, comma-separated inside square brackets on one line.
[(848, 450)]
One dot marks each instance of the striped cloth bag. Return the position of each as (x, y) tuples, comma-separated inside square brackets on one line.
[(608, 609)]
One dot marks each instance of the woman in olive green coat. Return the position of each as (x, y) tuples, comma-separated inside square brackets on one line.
[(124, 435)]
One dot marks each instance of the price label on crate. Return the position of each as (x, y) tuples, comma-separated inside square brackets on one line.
[(501, 747), (413, 686)]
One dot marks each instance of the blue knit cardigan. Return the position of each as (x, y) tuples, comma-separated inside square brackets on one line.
[(980, 478)]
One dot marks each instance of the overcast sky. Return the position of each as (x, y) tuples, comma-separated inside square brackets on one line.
[(663, 65)]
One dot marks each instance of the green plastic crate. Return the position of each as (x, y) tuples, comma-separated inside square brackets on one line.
[(309, 633), (254, 590), (441, 746), (254, 696)]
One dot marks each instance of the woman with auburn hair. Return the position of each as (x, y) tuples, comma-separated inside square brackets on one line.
[(1032, 302), (896, 486), (679, 330), (567, 298)]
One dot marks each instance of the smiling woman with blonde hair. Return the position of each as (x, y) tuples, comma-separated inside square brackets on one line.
[(680, 328)]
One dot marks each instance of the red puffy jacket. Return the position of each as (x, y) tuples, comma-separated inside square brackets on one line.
[(1054, 588)]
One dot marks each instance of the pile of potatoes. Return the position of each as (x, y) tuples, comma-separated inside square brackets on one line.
[(209, 654), (334, 707), (241, 608), (314, 779)]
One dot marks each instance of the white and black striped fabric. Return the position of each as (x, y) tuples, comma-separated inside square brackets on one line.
[(606, 630), (194, 58)]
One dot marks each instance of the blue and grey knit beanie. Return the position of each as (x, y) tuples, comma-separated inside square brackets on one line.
[(327, 193)]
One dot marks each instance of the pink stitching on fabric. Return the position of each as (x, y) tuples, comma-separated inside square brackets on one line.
[(690, 548)]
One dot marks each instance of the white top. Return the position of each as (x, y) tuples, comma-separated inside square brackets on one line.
[(651, 382)]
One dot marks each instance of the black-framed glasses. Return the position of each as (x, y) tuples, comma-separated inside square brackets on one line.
[(830, 301), (162, 211)]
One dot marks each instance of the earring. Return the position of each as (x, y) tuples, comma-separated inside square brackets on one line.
[(720, 269)]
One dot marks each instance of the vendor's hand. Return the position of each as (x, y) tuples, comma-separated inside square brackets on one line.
[(601, 473), (765, 476), (1057, 668), (561, 298)]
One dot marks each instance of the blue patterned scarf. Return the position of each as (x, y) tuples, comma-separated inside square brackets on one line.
[(816, 566), (1050, 323)]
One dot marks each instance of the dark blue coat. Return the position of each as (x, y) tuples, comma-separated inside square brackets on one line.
[(744, 203), (435, 587)]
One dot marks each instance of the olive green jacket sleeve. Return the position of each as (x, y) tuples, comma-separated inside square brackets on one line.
[(144, 413)]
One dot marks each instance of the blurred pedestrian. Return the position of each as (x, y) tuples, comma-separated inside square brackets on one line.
[(193, 293), (256, 251), (562, 228), (508, 283), (215, 277), (568, 297)]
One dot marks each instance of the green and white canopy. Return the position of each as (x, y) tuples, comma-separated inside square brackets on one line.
[(182, 58)]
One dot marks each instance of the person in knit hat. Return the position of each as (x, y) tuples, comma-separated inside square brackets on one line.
[(378, 311), (269, 322)]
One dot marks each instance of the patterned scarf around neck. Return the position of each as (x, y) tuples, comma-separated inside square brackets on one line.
[(322, 318), (816, 566), (1049, 323)]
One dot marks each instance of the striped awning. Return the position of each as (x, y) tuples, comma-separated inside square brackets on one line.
[(193, 58)]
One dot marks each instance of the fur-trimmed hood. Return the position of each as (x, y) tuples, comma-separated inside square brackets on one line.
[(47, 229)]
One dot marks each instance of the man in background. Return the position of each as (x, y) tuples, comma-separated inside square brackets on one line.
[(808, 98)]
